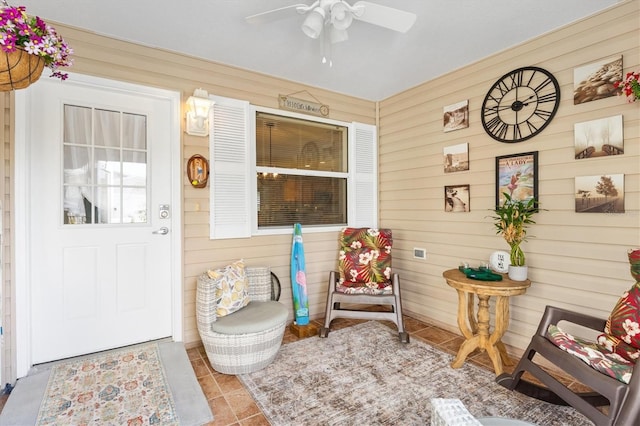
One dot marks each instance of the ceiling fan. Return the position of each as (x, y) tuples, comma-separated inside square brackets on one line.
[(333, 17)]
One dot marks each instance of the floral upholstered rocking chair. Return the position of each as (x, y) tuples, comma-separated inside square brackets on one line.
[(364, 276)]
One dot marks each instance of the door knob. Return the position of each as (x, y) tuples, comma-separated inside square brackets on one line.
[(162, 231)]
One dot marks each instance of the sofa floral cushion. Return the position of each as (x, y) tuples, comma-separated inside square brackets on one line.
[(622, 331), (232, 288), (594, 355), (365, 261)]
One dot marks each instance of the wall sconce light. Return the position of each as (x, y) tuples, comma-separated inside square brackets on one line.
[(198, 107)]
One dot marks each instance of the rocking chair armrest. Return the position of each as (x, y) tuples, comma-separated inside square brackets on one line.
[(553, 315)]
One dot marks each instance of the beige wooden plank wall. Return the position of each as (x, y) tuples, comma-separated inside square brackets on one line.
[(576, 260)]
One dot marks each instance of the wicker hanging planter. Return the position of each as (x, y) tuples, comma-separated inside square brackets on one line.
[(28, 45), (19, 69)]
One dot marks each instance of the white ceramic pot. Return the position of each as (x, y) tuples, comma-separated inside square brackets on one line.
[(518, 273)]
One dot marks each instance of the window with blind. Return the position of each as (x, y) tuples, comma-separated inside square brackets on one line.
[(301, 172), (270, 169)]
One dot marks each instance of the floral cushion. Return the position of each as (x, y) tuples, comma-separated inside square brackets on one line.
[(622, 331), (596, 356), (232, 288), (365, 261)]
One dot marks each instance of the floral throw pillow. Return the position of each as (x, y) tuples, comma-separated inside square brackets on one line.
[(232, 288), (365, 257), (622, 331)]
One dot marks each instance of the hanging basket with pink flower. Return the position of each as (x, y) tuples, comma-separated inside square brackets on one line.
[(27, 46)]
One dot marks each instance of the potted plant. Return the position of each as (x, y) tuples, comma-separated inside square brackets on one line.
[(29, 44), (511, 220)]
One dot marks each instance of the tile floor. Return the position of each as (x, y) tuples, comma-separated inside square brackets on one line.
[(232, 404)]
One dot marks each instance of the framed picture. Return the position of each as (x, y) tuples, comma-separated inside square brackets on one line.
[(599, 138), (595, 80), (456, 116), (600, 194), (456, 158), (517, 175), (456, 198)]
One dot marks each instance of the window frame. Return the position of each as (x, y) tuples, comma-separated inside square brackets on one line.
[(255, 231), (232, 163)]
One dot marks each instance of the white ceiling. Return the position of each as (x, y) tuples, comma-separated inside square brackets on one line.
[(373, 64)]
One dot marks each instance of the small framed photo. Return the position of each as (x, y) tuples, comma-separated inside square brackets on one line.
[(599, 138), (600, 194), (456, 158), (456, 198), (517, 175), (456, 116), (595, 80)]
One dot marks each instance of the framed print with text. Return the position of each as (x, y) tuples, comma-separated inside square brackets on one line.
[(517, 175)]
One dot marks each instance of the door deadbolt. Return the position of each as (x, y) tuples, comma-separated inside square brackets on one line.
[(164, 211)]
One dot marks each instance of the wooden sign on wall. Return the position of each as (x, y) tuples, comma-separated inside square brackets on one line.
[(300, 105)]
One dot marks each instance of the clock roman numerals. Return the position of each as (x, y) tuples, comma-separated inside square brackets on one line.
[(516, 79), (549, 97), (503, 88), (506, 131), (542, 114), (542, 85)]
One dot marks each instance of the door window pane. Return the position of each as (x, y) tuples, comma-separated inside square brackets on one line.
[(134, 209), (75, 129), (105, 167), (135, 131), (107, 128)]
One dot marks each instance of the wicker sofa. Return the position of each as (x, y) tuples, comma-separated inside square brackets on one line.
[(249, 339)]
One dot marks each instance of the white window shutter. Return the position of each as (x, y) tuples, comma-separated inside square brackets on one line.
[(363, 187), (230, 199)]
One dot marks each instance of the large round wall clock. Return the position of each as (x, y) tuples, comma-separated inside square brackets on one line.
[(520, 104)]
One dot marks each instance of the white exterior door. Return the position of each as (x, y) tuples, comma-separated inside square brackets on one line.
[(99, 218)]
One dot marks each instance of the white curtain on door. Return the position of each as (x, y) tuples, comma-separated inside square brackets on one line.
[(93, 141)]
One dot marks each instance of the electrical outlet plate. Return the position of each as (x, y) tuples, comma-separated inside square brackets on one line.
[(419, 253)]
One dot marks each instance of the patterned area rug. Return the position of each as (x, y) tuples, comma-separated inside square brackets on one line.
[(364, 375), (126, 387)]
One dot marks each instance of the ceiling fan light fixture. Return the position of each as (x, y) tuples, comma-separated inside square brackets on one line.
[(336, 35), (341, 15), (314, 22)]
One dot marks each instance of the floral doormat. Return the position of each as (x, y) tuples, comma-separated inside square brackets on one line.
[(125, 387), (363, 375)]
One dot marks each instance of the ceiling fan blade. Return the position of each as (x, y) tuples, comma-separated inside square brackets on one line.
[(275, 14), (384, 16)]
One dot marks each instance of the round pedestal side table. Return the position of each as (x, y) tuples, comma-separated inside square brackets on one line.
[(475, 327)]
